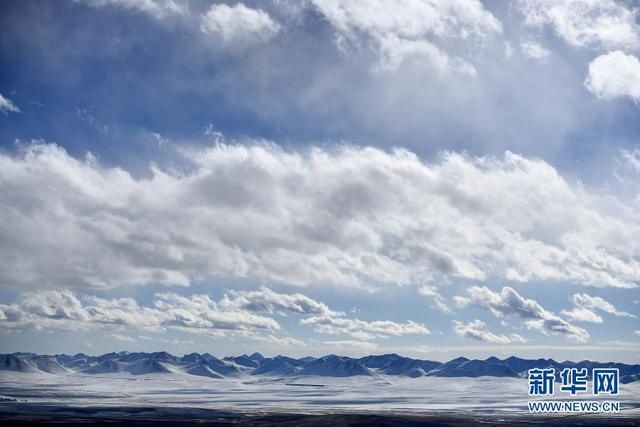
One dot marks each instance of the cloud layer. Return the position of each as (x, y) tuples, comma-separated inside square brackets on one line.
[(343, 216), (239, 313), (63, 310)]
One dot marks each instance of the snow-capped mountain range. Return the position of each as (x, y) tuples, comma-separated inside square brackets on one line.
[(207, 365)]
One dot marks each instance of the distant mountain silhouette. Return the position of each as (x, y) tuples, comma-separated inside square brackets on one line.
[(278, 366), (473, 368), (206, 365), (334, 366), (406, 366), (243, 360)]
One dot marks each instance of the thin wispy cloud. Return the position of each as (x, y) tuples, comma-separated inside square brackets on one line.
[(7, 106), (477, 330), (158, 9)]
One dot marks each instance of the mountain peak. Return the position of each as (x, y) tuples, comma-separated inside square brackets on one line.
[(331, 365)]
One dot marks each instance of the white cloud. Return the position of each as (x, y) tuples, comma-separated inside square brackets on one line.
[(534, 49), (476, 330), (404, 29), (630, 159), (613, 75), (345, 216), (123, 338), (238, 24), (158, 9), (176, 341), (637, 332), (280, 341), (240, 314), (607, 24), (201, 312), (581, 314), (432, 292), (364, 330), (586, 306), (395, 51), (598, 303), (266, 300), (6, 105), (508, 302), (63, 310)]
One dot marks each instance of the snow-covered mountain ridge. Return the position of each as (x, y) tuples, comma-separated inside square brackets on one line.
[(256, 365)]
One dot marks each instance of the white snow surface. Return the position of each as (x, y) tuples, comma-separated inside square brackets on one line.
[(309, 394)]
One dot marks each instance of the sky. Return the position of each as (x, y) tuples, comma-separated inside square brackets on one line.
[(315, 177)]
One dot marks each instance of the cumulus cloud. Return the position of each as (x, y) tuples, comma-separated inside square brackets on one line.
[(477, 330), (346, 216), (156, 8), (238, 24), (508, 302), (586, 307), (399, 30), (614, 75), (607, 24), (6, 105)]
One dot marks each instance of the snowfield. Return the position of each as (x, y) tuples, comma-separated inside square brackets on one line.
[(309, 394), (119, 386)]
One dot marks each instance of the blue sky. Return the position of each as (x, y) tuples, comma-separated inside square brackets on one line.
[(311, 177)]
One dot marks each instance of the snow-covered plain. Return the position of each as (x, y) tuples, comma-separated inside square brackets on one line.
[(309, 394)]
